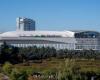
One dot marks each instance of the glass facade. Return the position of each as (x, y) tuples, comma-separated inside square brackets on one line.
[(87, 34), (25, 24)]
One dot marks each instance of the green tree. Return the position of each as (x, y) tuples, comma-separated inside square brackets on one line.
[(9, 53)]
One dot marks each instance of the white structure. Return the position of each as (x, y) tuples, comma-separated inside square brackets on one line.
[(72, 40), (25, 24), (56, 39)]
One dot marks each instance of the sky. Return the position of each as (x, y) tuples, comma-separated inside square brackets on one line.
[(51, 14)]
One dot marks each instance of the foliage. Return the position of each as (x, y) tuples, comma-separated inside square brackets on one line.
[(9, 53), (19, 55), (7, 68), (72, 67), (19, 75)]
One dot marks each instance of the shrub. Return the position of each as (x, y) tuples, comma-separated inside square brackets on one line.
[(7, 68), (19, 74)]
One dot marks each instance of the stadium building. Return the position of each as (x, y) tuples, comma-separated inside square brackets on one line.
[(27, 36)]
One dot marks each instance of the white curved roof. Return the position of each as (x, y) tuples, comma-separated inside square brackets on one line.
[(37, 33)]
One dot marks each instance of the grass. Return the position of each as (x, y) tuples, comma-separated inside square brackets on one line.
[(89, 65), (85, 65)]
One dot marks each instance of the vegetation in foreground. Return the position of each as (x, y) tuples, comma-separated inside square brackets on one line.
[(54, 69), (48, 64)]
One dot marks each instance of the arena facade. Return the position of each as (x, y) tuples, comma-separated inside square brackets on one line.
[(26, 36)]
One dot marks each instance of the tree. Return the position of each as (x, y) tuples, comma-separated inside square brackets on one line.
[(5, 53), (9, 53)]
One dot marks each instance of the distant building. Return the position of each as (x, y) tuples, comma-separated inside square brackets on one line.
[(25, 24), (26, 36)]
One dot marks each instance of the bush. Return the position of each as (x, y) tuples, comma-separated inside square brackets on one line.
[(7, 68), (19, 74)]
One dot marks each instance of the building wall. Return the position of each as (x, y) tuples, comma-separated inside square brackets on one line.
[(58, 43), (87, 43), (88, 40)]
